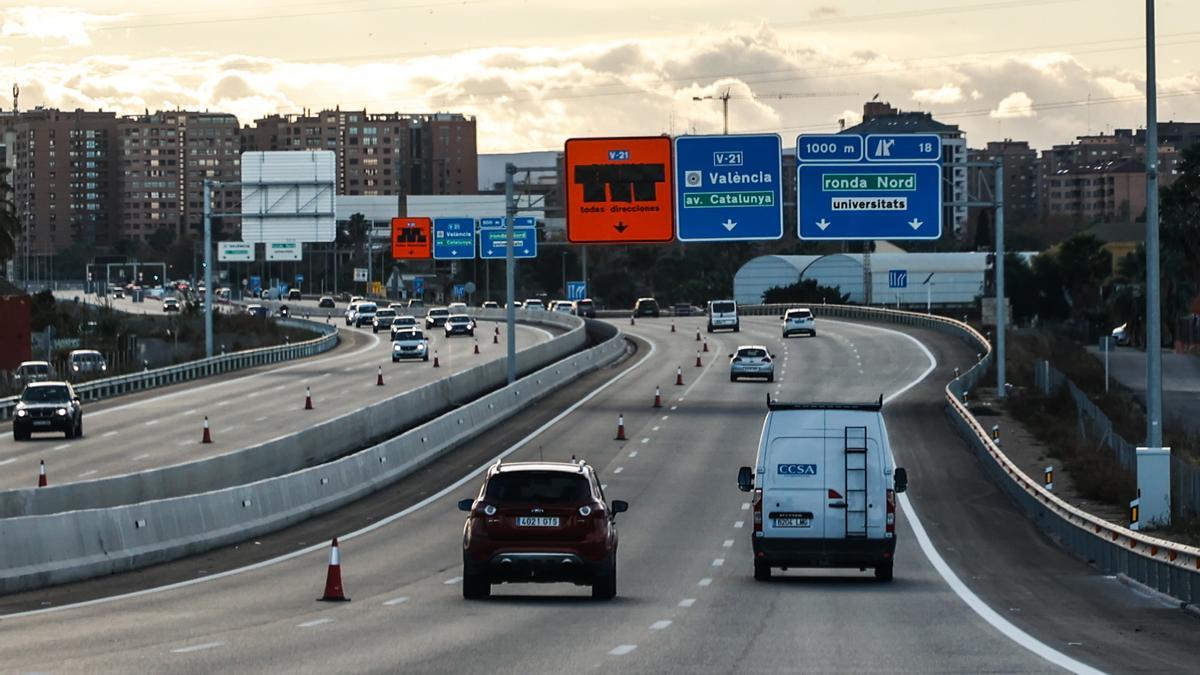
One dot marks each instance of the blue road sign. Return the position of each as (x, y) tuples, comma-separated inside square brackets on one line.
[(728, 188), (453, 238), (829, 148), (459, 290), (418, 286), (299, 278), (893, 192), (493, 241), (897, 278), (576, 290)]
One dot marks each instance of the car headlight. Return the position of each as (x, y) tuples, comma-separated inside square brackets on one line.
[(61, 412), (22, 413), (103, 366), (75, 368)]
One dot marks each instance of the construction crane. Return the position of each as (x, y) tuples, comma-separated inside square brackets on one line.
[(727, 96)]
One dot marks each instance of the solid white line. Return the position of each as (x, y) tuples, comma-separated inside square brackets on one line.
[(619, 469), (88, 473), (739, 523), (107, 434), (687, 602), (153, 422), (196, 648), (61, 446), (706, 581), (314, 622), (452, 580), (728, 543), (383, 522), (622, 650), (718, 562), (396, 601), (144, 455), (973, 601), (10, 460), (660, 624)]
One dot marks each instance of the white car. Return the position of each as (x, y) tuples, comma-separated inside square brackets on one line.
[(350, 310), (534, 304), (364, 314), (751, 361), (824, 489), (383, 319), (799, 320), (564, 307), (409, 344), (403, 322), (1120, 335), (459, 324), (457, 307), (723, 314)]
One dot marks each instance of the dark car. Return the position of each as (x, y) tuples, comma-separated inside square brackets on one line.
[(540, 522), (48, 406), (436, 317), (585, 308), (646, 307), (682, 309), (326, 301), (459, 324), (294, 295)]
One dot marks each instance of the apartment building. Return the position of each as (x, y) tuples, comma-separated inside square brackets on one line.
[(1114, 190), (1021, 171), (380, 154)]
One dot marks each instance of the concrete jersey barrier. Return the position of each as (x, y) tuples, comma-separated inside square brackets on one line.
[(63, 547), (296, 450)]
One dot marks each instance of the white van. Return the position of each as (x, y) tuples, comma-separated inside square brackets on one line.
[(824, 489), (723, 314)]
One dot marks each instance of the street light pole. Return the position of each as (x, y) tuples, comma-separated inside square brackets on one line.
[(208, 289), (1153, 302)]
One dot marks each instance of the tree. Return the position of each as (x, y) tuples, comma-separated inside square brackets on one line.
[(1083, 266), (807, 291), (9, 226), (162, 239)]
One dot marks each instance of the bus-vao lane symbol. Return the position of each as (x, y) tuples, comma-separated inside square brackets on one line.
[(693, 178)]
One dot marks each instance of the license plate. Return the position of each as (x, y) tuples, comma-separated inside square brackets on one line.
[(793, 522), (537, 521)]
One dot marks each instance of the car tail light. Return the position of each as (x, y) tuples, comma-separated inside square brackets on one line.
[(757, 504), (585, 510), (890, 524), (489, 510)]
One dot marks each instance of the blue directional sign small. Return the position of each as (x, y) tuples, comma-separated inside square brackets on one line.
[(458, 290), (493, 240), (728, 188), (893, 191), (897, 278), (453, 238), (576, 290)]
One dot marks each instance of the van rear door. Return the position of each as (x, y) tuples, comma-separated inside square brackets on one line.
[(794, 492)]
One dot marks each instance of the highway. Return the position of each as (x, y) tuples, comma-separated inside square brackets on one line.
[(976, 589), (163, 426)]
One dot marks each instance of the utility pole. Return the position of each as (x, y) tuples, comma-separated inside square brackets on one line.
[(1153, 302), (1000, 317), (208, 289)]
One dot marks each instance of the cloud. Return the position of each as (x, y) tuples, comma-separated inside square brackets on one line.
[(65, 24), (1016, 104), (947, 93), (824, 12)]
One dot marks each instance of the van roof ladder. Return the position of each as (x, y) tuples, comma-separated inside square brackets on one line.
[(855, 445)]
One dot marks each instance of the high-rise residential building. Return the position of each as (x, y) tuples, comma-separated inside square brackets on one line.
[(881, 118), (1021, 178), (380, 154), (1113, 190)]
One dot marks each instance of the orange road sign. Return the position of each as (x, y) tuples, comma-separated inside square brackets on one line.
[(619, 190), (412, 238)]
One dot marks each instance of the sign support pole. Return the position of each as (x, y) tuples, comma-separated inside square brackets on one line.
[(1153, 302), (510, 312), (208, 289), (1000, 313)]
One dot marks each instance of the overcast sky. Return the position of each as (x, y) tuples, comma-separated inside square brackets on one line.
[(535, 72)]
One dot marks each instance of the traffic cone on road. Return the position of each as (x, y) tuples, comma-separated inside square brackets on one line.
[(620, 427), (477, 346), (42, 473), (672, 326), (435, 360), (496, 337), (632, 320), (698, 364), (697, 335), (706, 345), (657, 397), (333, 577), (678, 376), (379, 377), (307, 399), (207, 437)]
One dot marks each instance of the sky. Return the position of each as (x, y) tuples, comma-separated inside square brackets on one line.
[(536, 72)]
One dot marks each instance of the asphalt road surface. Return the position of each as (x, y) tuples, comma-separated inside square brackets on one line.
[(976, 589)]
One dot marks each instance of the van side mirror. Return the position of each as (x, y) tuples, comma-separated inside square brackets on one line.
[(781, 317), (901, 477), (745, 479), (619, 506), (465, 504)]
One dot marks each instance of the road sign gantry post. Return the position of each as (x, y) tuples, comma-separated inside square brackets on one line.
[(510, 262)]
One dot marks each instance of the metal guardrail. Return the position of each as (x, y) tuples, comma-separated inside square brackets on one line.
[(183, 372), (1168, 567)]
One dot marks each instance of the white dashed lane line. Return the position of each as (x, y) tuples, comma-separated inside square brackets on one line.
[(108, 434), (88, 473), (144, 455), (196, 648), (655, 428), (10, 460), (62, 446), (728, 543), (687, 602), (632, 454), (659, 625), (153, 422), (706, 581), (737, 523), (264, 417), (644, 440), (452, 580), (718, 562), (314, 622), (665, 417), (621, 650), (619, 469), (745, 506), (396, 601)]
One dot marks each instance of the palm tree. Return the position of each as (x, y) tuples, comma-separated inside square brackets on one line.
[(9, 226)]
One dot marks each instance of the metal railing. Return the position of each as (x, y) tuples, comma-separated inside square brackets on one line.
[(95, 390)]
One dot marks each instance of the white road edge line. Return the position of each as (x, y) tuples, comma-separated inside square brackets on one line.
[(1004, 626), (322, 546), (196, 648)]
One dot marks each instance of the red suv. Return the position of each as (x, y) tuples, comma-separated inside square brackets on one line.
[(540, 522)]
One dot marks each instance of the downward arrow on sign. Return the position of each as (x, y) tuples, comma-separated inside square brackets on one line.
[(621, 226), (822, 223), (729, 224)]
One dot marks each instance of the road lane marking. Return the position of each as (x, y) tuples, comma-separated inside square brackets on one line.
[(89, 473), (62, 446), (144, 455), (10, 460), (314, 622), (633, 454), (660, 624), (153, 422), (452, 580), (655, 428), (621, 650), (222, 404), (186, 442), (674, 407), (396, 601), (382, 522), (737, 523), (619, 469), (644, 440), (264, 417), (687, 602), (728, 543), (706, 581), (718, 562), (745, 506), (664, 417), (196, 648), (108, 434), (283, 386), (193, 410)]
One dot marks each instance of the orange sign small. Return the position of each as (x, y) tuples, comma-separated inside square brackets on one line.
[(412, 238), (619, 190)]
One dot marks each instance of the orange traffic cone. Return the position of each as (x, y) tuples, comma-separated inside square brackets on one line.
[(698, 364), (657, 397), (697, 335), (678, 377), (379, 378), (333, 578), (477, 346), (42, 473), (620, 427), (672, 326), (307, 399), (632, 320), (207, 437), (706, 345), (496, 337), (435, 360)]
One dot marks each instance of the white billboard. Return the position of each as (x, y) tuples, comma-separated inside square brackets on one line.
[(235, 251), (283, 250), (288, 196)]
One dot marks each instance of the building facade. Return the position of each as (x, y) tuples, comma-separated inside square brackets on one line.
[(1021, 173)]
